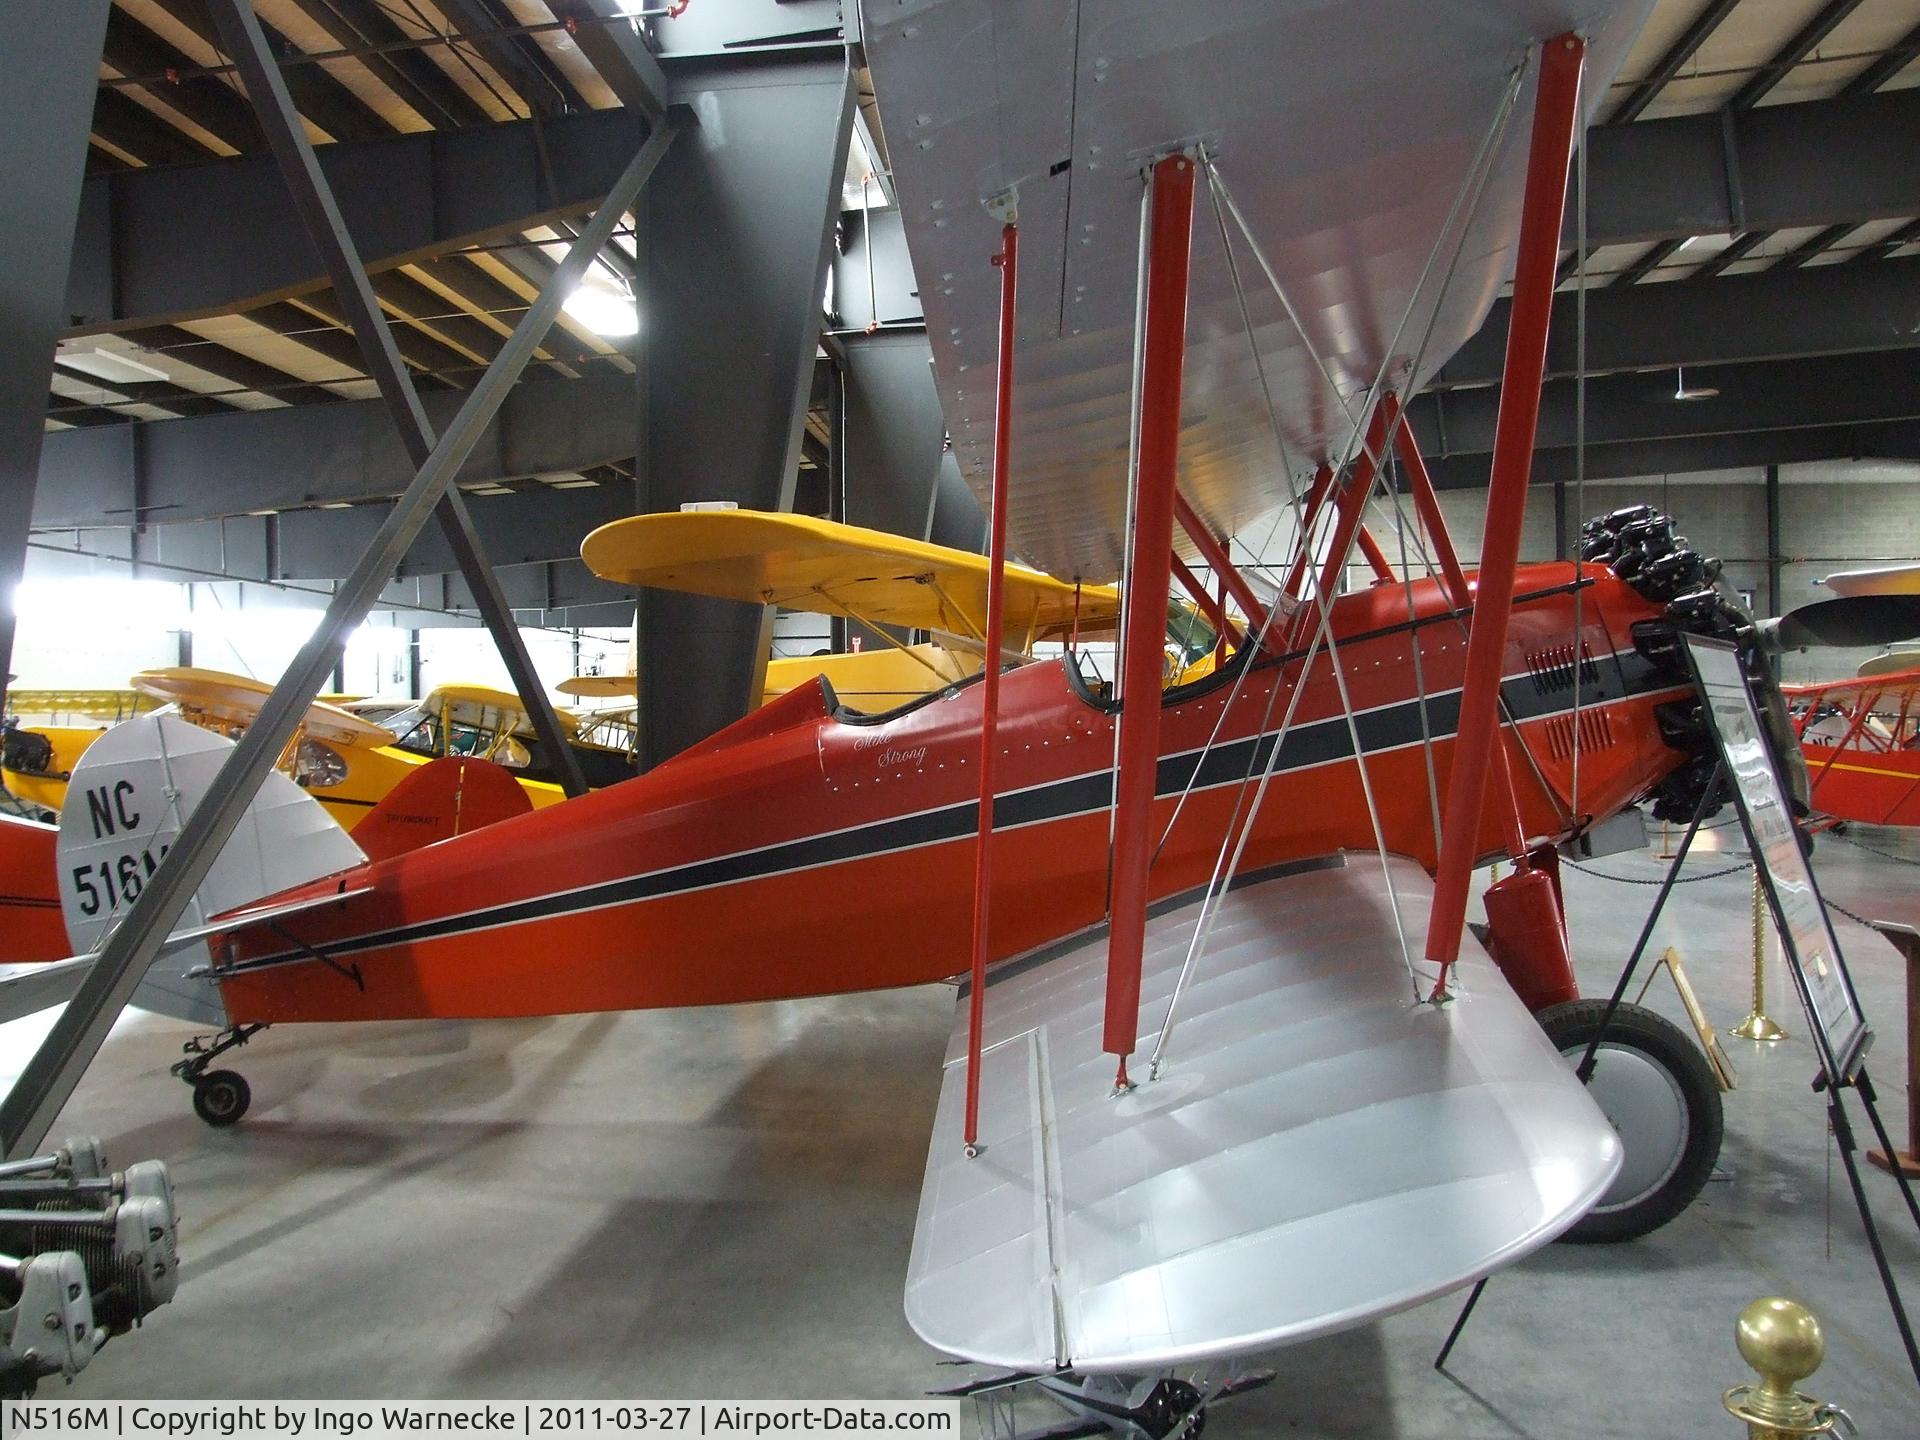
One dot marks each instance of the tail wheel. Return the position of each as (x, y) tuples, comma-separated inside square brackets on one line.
[(1660, 1096), (221, 1097)]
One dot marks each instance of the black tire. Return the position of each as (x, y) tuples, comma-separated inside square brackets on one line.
[(221, 1097), (1640, 1032)]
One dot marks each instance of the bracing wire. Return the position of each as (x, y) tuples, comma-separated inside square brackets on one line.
[(1471, 192)]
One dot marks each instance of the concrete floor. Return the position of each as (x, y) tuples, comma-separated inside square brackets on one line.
[(720, 1204)]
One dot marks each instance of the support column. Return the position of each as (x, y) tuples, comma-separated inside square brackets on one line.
[(1163, 360), (1775, 560), (740, 237), (1009, 262), (1555, 115), (49, 74)]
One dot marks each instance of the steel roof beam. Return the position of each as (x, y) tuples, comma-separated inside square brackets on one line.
[(1678, 455), (1669, 65), (423, 85), (1808, 393), (541, 84), (1770, 168), (185, 242), (1776, 314), (1902, 53), (282, 459), (1803, 44), (617, 52)]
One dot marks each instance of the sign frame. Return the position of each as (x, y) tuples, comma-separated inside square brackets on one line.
[(1800, 915)]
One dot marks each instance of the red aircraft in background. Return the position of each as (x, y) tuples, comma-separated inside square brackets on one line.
[(1861, 739)]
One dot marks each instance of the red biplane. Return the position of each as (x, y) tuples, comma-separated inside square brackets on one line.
[(1861, 739), (1347, 1107)]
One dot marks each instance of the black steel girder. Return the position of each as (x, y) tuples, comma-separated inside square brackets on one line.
[(1809, 393), (159, 246), (319, 454), (1771, 168), (184, 240), (1776, 314), (1887, 440)]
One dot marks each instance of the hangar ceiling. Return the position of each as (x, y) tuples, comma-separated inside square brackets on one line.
[(1753, 215)]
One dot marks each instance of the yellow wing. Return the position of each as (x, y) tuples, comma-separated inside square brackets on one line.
[(826, 568), (236, 700)]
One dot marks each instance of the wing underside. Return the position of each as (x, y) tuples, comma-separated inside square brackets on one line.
[(1346, 134), (1319, 1151)]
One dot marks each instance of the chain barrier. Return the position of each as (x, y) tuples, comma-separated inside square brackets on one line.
[(1631, 880)]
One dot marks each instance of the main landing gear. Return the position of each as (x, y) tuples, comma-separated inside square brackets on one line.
[(1126, 1407), (1660, 1095), (220, 1097)]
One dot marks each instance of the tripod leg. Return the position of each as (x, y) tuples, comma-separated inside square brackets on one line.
[(1843, 1138), (1460, 1323)]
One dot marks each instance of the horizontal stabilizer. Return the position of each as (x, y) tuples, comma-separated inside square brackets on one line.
[(25, 989), (1318, 1151)]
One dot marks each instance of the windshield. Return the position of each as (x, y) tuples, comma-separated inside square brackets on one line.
[(1188, 632)]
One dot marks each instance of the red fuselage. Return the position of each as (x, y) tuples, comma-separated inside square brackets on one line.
[(804, 853)]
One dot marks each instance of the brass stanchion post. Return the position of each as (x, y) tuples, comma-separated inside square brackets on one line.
[(1783, 1343), (1757, 1026)]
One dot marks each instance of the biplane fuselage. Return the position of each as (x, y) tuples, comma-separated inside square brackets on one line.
[(802, 853), (1859, 740)]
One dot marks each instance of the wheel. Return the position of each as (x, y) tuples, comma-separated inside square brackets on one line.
[(1171, 1401), (1660, 1095), (221, 1097)]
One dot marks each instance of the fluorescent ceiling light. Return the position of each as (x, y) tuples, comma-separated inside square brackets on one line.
[(596, 304), (113, 366)]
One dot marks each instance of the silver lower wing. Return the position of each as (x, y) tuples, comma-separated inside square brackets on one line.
[(1318, 1151)]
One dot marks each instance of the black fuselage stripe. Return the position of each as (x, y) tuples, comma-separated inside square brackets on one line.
[(1319, 742)]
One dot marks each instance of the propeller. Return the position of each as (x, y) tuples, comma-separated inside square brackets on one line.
[(1851, 620)]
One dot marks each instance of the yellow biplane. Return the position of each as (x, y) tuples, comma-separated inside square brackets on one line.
[(48, 730), (346, 760), (882, 581)]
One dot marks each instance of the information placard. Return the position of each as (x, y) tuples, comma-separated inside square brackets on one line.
[(1826, 990)]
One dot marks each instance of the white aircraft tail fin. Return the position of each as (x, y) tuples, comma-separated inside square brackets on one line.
[(130, 795)]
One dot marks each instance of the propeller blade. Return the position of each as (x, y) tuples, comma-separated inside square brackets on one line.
[(1848, 621)]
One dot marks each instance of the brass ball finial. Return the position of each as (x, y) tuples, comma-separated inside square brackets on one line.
[(1781, 1340)]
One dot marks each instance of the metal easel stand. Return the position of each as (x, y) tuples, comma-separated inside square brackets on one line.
[(1709, 795)]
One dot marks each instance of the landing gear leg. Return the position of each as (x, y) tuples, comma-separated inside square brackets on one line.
[(220, 1097)]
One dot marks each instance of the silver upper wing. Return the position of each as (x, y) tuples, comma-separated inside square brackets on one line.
[(1319, 1151), (1345, 130)]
